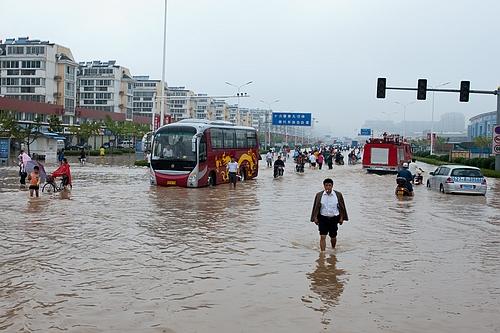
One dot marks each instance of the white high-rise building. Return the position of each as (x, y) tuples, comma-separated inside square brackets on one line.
[(39, 71), (221, 111), (147, 94), (181, 103), (105, 86)]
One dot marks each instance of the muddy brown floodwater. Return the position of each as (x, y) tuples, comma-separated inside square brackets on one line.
[(118, 255)]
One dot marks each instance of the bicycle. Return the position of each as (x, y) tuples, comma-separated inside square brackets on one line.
[(51, 186)]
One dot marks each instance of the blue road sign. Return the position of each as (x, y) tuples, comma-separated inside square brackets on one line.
[(365, 131), (292, 119)]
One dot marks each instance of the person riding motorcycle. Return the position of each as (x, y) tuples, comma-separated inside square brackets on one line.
[(406, 174), (339, 158), (279, 165), (300, 161)]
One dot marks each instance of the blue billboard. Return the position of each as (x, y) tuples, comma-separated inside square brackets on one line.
[(292, 119), (4, 148)]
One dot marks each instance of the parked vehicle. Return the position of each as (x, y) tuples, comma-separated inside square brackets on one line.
[(126, 144), (385, 155), (457, 179)]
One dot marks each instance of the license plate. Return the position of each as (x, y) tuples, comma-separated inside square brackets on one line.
[(467, 187), (171, 182)]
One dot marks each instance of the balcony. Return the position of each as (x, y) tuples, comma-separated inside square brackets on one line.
[(58, 77)]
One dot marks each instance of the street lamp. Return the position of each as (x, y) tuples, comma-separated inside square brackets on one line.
[(163, 100), (404, 115), (268, 121), (238, 94), (432, 115)]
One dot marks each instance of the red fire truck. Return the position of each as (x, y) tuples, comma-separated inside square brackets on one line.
[(387, 154)]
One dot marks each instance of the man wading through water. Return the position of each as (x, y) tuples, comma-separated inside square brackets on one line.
[(328, 212)]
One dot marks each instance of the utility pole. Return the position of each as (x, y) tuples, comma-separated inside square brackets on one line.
[(464, 92)]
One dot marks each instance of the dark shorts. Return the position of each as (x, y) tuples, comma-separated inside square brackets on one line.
[(328, 225), (232, 177), (34, 187)]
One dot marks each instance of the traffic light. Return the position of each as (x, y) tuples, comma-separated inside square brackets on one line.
[(381, 84), (464, 91), (421, 89)]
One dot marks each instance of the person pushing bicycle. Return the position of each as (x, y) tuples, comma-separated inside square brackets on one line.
[(64, 172)]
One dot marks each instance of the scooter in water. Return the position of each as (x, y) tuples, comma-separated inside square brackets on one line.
[(278, 171), (299, 167), (401, 189), (419, 179)]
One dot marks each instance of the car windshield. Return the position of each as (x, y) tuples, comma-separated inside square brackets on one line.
[(466, 173), (174, 144)]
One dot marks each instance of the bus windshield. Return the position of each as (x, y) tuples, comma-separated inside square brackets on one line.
[(174, 143)]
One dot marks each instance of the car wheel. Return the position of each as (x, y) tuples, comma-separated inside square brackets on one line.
[(441, 188)]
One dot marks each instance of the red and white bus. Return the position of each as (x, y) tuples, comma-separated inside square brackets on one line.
[(195, 153), (386, 155)]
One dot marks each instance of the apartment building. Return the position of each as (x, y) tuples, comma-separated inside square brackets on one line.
[(105, 86), (205, 108), (147, 94), (38, 71), (220, 110), (182, 103)]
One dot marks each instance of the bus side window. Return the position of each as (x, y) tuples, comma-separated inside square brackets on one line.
[(203, 149)]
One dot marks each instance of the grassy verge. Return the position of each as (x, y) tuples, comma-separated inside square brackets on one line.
[(486, 172)]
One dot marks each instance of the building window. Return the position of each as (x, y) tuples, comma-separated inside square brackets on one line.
[(88, 101), (29, 90), (10, 64), (28, 72), (10, 81), (15, 50), (13, 72), (35, 50), (31, 64)]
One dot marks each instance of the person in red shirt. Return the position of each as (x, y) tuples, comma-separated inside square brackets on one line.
[(64, 171)]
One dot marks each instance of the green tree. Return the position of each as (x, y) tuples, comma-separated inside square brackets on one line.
[(482, 142), (8, 124), (55, 124)]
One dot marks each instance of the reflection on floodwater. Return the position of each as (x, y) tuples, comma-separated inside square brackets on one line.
[(326, 282), (118, 255)]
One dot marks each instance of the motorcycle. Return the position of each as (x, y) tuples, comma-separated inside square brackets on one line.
[(278, 171), (419, 179), (401, 189)]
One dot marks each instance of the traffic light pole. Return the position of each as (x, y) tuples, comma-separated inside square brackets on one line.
[(464, 92)]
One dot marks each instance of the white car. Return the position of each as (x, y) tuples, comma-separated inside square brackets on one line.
[(457, 179)]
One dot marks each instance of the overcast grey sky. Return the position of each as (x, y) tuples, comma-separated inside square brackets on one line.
[(318, 56)]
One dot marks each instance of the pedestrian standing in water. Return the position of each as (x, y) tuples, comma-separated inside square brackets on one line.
[(328, 212), (60, 157), (232, 168), (34, 179)]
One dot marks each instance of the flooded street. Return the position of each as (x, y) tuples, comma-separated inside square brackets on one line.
[(118, 255)]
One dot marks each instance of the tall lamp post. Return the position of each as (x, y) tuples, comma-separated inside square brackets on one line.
[(269, 110), (238, 94), (404, 115), (432, 115), (162, 105)]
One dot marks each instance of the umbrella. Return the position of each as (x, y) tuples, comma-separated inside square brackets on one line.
[(30, 165)]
